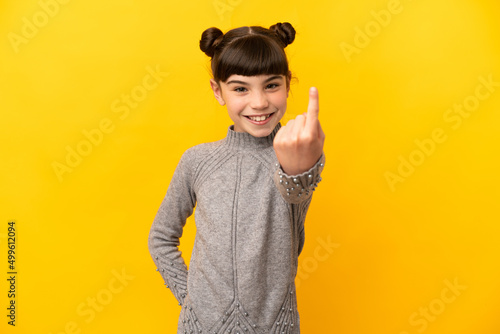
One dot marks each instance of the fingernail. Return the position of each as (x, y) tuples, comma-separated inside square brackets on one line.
[(313, 90)]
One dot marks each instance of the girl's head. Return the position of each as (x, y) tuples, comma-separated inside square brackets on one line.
[(250, 74)]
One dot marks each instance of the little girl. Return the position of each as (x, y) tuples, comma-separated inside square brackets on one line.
[(251, 189)]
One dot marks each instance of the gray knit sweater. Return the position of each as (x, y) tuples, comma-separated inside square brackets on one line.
[(249, 233)]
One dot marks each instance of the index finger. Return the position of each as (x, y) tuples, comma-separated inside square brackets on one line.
[(313, 108)]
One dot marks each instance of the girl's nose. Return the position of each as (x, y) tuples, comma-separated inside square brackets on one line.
[(259, 101)]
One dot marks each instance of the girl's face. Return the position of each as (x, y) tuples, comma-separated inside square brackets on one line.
[(255, 104)]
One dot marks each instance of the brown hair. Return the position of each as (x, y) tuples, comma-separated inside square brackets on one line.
[(248, 51)]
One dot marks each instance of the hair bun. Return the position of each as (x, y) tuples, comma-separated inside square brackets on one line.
[(210, 39), (285, 32)]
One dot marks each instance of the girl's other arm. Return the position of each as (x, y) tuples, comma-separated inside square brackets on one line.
[(299, 149), (167, 227)]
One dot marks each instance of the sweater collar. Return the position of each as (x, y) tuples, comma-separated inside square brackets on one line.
[(244, 140)]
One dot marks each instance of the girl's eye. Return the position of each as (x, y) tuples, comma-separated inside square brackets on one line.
[(273, 85), (240, 89)]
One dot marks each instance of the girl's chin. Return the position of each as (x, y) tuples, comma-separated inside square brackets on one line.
[(263, 132)]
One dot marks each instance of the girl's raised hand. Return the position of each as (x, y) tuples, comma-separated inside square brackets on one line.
[(299, 144)]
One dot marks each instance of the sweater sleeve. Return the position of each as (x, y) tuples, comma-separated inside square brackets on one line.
[(167, 227), (298, 188)]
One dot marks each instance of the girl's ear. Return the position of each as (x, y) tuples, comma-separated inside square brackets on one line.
[(217, 92), (288, 79)]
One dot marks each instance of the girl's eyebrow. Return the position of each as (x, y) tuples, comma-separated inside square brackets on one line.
[(244, 83)]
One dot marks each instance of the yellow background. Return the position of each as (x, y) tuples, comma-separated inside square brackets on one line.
[(377, 256)]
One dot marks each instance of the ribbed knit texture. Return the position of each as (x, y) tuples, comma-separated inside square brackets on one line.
[(249, 233)]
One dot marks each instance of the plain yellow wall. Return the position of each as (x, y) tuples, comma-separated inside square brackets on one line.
[(402, 234)]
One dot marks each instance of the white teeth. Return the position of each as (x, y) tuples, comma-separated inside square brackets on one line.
[(260, 118)]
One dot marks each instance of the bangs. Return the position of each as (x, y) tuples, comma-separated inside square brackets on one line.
[(250, 56)]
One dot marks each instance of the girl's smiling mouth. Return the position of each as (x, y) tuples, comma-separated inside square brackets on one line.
[(259, 119)]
